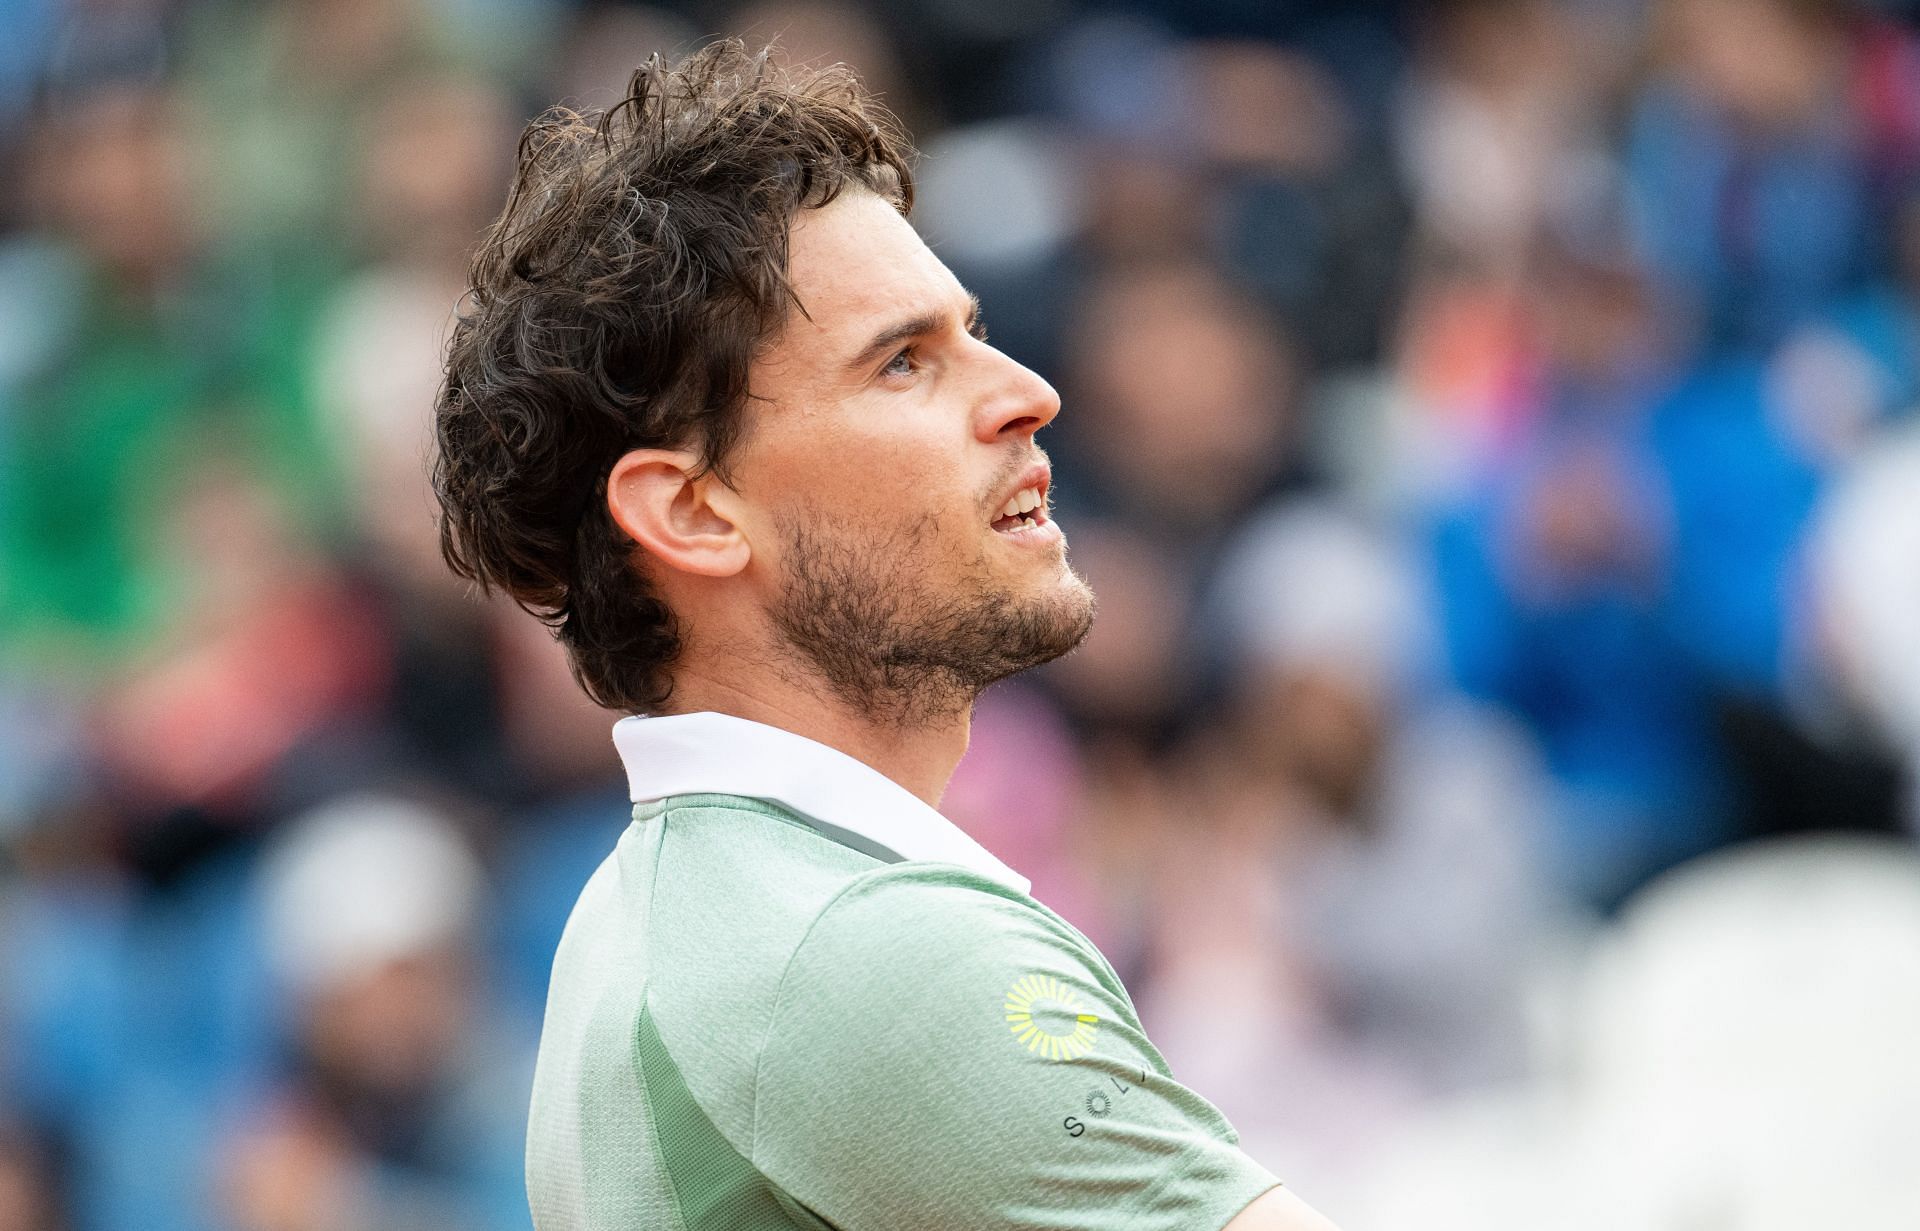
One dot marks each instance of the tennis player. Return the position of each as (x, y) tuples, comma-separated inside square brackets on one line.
[(715, 410)]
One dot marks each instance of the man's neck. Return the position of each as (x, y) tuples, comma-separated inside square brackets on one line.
[(919, 756)]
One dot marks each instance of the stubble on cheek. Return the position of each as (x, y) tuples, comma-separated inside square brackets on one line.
[(893, 632)]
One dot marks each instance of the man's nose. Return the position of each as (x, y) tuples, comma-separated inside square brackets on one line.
[(1020, 403)]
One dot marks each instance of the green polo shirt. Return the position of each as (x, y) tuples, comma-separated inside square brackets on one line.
[(763, 1016)]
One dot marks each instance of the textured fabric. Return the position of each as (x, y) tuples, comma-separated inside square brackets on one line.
[(751, 1025), (713, 1186)]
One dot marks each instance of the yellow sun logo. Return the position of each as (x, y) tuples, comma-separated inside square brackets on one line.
[(1038, 995)]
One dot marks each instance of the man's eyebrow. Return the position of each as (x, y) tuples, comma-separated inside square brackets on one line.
[(918, 325)]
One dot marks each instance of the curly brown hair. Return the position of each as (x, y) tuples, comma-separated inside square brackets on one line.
[(639, 265)]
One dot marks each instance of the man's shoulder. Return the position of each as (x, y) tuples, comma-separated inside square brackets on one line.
[(933, 909), (925, 940), (686, 934), (727, 853), (770, 927), (716, 896)]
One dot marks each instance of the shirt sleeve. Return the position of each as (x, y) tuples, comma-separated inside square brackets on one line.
[(944, 1054)]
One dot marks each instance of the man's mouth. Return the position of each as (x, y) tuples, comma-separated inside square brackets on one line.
[(1024, 510)]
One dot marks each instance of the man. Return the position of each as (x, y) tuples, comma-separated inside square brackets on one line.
[(717, 413)]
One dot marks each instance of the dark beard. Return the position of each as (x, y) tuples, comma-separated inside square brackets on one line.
[(861, 615)]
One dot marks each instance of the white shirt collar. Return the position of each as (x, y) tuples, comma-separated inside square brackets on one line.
[(848, 800)]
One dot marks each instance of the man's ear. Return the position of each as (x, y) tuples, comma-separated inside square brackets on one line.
[(664, 500)]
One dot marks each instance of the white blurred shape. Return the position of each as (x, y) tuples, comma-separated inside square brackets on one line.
[(1789, 970), (378, 365), (363, 882), (1307, 586), (1824, 394), (1747, 1063), (1866, 568), (1750, 1049), (997, 196), (376, 375), (42, 286), (1489, 1163)]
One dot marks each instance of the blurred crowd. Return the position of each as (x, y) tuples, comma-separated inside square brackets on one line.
[(1489, 431)]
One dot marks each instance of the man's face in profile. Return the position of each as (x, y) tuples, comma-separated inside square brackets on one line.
[(889, 462)]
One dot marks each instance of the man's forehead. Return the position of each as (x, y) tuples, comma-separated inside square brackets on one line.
[(856, 264)]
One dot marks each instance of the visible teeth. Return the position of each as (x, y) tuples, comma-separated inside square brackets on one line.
[(1025, 500)]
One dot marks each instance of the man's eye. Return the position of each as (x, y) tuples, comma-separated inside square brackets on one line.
[(900, 365)]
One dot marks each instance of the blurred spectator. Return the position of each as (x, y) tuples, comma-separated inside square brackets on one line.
[(271, 652), (428, 169), (1750, 163), (1136, 676), (397, 1111), (279, 86), (1187, 394), (1308, 212), (140, 1018), (1554, 573), (1186, 389), (1749, 449), (429, 165), (102, 408), (1425, 888), (1372, 843), (1499, 132), (1500, 106)]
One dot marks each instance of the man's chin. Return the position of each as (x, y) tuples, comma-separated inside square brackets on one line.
[(1053, 622)]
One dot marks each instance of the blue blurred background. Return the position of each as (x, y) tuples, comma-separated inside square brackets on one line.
[(1489, 428)]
